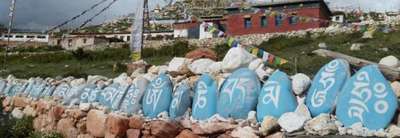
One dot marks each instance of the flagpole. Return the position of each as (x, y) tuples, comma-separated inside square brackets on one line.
[(10, 26)]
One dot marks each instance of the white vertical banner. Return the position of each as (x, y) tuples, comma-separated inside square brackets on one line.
[(137, 31)]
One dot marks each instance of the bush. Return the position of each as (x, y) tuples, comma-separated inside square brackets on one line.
[(221, 50)]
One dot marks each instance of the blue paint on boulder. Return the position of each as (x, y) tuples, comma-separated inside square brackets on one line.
[(205, 98), (181, 100), (367, 98), (238, 95), (158, 96), (327, 84), (276, 97)]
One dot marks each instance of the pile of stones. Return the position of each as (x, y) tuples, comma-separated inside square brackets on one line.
[(200, 97)]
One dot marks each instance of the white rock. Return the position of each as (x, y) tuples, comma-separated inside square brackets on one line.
[(268, 125), (149, 76), (85, 106), (201, 65), (292, 121), (300, 83), (123, 79), (17, 113), (261, 72), (302, 110), (78, 82), (153, 70), (236, 58), (396, 88), (393, 131), (95, 78), (162, 69), (390, 61), (321, 125), (244, 132), (322, 45), (252, 117), (215, 68), (177, 64), (255, 64), (29, 111), (356, 47)]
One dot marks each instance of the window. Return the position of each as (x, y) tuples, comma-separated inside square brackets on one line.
[(8, 36), (293, 19), (19, 36), (264, 21), (128, 38), (121, 37), (337, 18), (69, 42), (247, 22), (30, 36), (278, 20), (84, 40), (41, 37)]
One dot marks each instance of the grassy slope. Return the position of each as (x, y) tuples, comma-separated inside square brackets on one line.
[(308, 63)]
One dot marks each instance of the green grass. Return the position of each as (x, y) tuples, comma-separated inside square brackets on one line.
[(301, 49)]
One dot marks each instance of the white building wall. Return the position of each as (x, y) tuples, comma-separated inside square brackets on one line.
[(181, 33), (24, 37), (204, 34)]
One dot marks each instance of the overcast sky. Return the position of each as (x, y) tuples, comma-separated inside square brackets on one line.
[(39, 14)]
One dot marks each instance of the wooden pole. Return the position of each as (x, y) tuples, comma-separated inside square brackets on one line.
[(389, 72)]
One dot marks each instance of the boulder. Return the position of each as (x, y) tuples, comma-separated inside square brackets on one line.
[(17, 113), (396, 88), (164, 129), (268, 125), (56, 112), (178, 66), (244, 132), (20, 102), (75, 113), (29, 111), (136, 122), (212, 128), (85, 106), (95, 123), (6, 102), (393, 131), (117, 124), (322, 45), (292, 121), (356, 47), (255, 64), (390, 61), (215, 68), (187, 134), (236, 58), (200, 66), (85, 136), (202, 53), (276, 135), (300, 83), (133, 133), (44, 123), (66, 127), (321, 125)]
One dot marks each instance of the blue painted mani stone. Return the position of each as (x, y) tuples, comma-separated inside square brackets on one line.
[(3, 85), (37, 90), (112, 95), (276, 97), (238, 95), (48, 91), (205, 98), (85, 92), (327, 84), (181, 100), (95, 95), (367, 98), (31, 83), (61, 90), (158, 96), (73, 96), (133, 99)]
